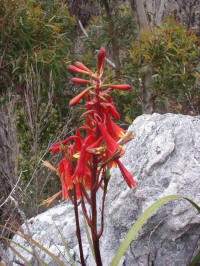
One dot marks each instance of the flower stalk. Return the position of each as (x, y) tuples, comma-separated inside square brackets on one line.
[(92, 151)]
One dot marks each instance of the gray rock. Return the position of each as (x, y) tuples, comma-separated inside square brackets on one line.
[(164, 158)]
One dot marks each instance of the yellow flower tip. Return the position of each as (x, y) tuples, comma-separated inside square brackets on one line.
[(76, 155), (48, 165), (122, 134), (114, 165)]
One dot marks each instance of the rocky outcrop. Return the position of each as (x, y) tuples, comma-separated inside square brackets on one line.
[(164, 158)]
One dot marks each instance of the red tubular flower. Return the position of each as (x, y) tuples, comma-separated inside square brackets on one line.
[(82, 66), (81, 169), (77, 70), (78, 97), (109, 107), (122, 87), (95, 144), (114, 112), (78, 141), (65, 172), (126, 175), (111, 144), (80, 81), (56, 147), (100, 58), (114, 130)]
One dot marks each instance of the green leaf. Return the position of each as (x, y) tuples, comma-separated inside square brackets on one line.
[(193, 203), (66, 248), (195, 260), (89, 239), (139, 223)]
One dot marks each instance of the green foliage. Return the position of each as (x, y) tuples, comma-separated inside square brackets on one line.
[(34, 34), (172, 51), (98, 31), (36, 38)]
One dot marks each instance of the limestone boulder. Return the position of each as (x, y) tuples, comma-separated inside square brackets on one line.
[(164, 158)]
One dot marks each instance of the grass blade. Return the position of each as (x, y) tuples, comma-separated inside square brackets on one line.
[(195, 260), (54, 257), (138, 224), (19, 255), (66, 248), (22, 247), (89, 239), (28, 239), (193, 203)]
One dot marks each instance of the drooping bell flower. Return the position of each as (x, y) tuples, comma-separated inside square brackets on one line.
[(57, 146), (111, 144), (87, 179), (126, 175), (108, 107), (114, 130), (114, 112), (95, 144), (67, 174), (100, 60), (81, 166), (78, 141), (65, 171)]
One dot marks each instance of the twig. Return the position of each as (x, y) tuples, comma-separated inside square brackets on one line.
[(149, 241), (82, 28), (134, 256), (9, 196)]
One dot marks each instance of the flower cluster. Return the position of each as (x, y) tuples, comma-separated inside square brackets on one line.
[(89, 154), (95, 144)]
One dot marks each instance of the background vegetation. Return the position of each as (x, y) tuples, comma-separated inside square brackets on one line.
[(39, 39)]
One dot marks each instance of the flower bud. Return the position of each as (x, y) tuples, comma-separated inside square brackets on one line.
[(78, 97), (80, 81), (81, 66), (101, 57), (77, 70), (122, 87)]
